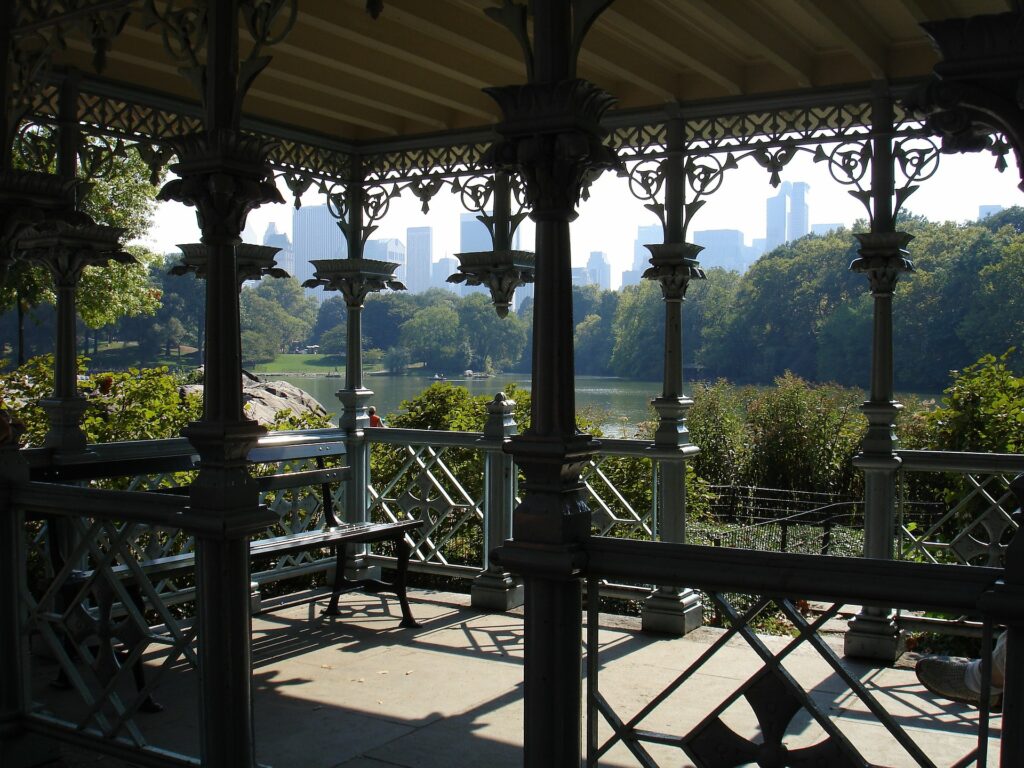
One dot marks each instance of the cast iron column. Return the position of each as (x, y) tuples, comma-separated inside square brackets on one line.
[(873, 633), (355, 398), (495, 589), (552, 135), (673, 265), (224, 174), (356, 278)]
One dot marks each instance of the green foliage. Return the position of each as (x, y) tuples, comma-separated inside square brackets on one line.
[(717, 424), (639, 330), (138, 404), (982, 409), (803, 437)]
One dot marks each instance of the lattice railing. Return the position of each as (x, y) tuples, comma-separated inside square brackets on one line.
[(436, 477), (746, 699), (99, 614), (969, 519)]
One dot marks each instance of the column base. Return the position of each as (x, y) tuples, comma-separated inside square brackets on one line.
[(672, 612), (497, 592), (874, 638), (65, 417)]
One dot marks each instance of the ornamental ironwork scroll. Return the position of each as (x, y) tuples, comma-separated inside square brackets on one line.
[(838, 135)]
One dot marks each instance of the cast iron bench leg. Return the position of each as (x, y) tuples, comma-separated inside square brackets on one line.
[(340, 550), (400, 578)]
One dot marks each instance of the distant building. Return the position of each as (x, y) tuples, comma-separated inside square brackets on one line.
[(392, 249), (581, 276), (285, 258), (786, 214), (645, 235), (725, 248), (473, 234), (600, 270), (440, 272), (984, 211), (419, 254), (474, 237), (316, 236)]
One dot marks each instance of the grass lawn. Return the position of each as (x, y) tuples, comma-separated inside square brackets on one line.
[(318, 364), (120, 356)]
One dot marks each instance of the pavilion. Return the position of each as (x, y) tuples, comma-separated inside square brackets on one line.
[(520, 106)]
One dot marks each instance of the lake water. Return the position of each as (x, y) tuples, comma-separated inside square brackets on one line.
[(623, 403)]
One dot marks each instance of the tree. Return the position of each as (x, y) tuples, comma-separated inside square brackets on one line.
[(334, 341), (435, 338), (278, 314), (500, 339), (332, 314), (639, 330)]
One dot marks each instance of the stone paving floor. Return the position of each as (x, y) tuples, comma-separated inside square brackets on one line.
[(357, 691)]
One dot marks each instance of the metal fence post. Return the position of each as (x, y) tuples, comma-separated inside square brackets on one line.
[(495, 588)]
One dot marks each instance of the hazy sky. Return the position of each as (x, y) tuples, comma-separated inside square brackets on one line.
[(608, 221)]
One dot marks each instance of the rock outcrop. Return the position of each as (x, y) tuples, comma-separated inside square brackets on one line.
[(265, 399)]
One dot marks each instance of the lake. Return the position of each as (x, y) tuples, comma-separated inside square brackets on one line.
[(624, 401)]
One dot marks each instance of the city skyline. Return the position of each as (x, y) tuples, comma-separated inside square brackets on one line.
[(608, 221)]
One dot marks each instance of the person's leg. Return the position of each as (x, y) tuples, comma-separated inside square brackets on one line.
[(959, 679)]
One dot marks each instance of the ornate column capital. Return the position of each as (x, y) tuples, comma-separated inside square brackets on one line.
[(674, 265), (354, 278), (68, 244), (224, 174), (883, 258), (254, 261), (552, 136), (501, 272)]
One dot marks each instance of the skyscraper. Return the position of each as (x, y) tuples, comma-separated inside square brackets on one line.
[(285, 258), (645, 235), (724, 248), (473, 234), (419, 253), (391, 249), (600, 270), (798, 223), (440, 272), (473, 237), (786, 214), (317, 236)]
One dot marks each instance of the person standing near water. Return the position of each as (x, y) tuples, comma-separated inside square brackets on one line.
[(375, 420)]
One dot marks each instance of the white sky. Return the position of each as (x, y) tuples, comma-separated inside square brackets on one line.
[(608, 221)]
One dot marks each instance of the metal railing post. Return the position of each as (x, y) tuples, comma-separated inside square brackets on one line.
[(19, 748), (1012, 593), (495, 588)]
